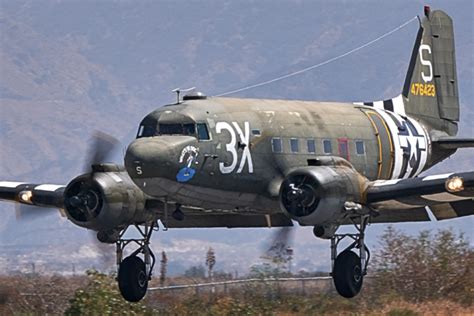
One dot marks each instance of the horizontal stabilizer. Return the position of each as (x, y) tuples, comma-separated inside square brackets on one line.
[(454, 142)]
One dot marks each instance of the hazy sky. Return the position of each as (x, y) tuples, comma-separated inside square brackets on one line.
[(70, 67)]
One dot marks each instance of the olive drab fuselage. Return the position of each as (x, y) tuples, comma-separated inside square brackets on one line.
[(249, 145)]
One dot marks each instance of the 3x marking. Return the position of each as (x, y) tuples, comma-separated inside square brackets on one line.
[(231, 147)]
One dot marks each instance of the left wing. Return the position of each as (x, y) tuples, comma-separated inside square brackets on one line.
[(45, 195), (445, 196)]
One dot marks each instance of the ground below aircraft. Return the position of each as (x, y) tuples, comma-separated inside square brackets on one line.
[(229, 162)]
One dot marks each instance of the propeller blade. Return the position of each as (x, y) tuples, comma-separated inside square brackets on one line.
[(101, 148), (25, 212), (106, 252), (281, 240)]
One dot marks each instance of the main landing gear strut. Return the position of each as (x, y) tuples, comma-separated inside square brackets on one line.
[(348, 267), (133, 271)]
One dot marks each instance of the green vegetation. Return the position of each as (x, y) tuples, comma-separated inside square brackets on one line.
[(425, 267), (412, 275), (102, 297)]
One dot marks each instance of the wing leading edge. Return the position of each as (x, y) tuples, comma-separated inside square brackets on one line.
[(444, 196), (44, 195)]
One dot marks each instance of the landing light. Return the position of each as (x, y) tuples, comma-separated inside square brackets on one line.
[(25, 196), (454, 184)]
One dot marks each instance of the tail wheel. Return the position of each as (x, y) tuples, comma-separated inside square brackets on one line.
[(347, 274), (132, 279)]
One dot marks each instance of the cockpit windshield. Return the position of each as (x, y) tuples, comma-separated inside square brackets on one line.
[(198, 130), (146, 131), (177, 129)]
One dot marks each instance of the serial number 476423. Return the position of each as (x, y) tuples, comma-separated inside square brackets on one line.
[(423, 89)]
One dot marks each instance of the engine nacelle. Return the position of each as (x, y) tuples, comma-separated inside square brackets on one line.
[(105, 200), (325, 231), (316, 195)]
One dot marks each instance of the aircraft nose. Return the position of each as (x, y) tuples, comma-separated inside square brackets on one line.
[(151, 157)]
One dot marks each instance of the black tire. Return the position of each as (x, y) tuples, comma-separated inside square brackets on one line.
[(132, 279), (347, 274)]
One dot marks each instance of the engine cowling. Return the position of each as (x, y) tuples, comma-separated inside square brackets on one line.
[(316, 195), (104, 201)]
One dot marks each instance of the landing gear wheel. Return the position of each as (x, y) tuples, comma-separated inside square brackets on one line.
[(132, 279), (347, 274)]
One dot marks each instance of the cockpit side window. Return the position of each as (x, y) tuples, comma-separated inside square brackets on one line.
[(203, 133), (146, 131)]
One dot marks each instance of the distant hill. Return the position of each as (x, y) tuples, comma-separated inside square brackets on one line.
[(68, 68)]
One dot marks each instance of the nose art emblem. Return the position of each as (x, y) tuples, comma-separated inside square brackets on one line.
[(189, 157)]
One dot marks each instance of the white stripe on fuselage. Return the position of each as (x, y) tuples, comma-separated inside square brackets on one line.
[(398, 105), (406, 141), (422, 144), (397, 150), (378, 105)]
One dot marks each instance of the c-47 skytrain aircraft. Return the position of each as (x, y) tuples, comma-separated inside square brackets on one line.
[(228, 162)]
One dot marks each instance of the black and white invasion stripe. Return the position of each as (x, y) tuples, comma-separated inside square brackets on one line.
[(395, 105), (41, 194)]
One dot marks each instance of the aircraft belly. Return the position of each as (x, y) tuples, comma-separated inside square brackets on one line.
[(209, 198)]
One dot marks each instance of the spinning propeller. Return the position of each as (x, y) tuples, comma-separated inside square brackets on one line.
[(299, 195), (81, 197)]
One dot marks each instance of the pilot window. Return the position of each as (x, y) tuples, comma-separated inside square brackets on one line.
[(311, 146), (177, 129), (189, 129), (170, 129), (146, 131), (360, 149), (203, 133), (294, 145), (276, 145), (327, 146)]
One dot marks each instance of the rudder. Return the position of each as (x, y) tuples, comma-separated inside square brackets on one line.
[(431, 91)]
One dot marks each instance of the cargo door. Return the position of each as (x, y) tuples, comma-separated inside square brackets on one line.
[(343, 148), (385, 145)]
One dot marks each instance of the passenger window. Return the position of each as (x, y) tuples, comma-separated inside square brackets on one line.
[(327, 146), (203, 133), (256, 132), (360, 148), (276, 145), (294, 145), (311, 146)]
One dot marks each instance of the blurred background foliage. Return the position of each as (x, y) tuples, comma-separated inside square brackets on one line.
[(410, 275)]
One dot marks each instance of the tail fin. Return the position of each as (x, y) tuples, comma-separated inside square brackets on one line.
[(431, 90)]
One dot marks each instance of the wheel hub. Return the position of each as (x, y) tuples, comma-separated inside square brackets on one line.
[(142, 279)]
